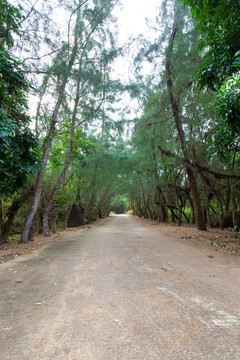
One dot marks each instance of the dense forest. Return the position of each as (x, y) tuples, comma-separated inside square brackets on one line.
[(71, 151)]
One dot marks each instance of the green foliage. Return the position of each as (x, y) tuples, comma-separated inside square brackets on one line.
[(218, 22), (18, 146), (13, 239), (9, 18), (120, 207), (18, 155)]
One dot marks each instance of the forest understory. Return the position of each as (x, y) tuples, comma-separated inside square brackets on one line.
[(222, 241)]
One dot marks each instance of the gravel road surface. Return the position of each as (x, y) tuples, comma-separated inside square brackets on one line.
[(120, 290)]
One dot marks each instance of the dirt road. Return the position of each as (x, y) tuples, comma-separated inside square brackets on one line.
[(120, 290)]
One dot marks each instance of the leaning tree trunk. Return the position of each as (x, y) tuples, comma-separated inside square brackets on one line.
[(181, 136), (38, 189)]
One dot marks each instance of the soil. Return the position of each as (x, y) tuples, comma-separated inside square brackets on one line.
[(221, 240), (226, 240), (12, 250)]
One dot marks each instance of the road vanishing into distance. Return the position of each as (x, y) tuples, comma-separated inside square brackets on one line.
[(120, 290)]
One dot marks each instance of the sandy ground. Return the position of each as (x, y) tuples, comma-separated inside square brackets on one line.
[(122, 289)]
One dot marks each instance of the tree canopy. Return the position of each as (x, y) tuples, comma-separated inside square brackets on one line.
[(69, 145)]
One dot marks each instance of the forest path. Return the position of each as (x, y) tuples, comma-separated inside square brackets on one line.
[(118, 291)]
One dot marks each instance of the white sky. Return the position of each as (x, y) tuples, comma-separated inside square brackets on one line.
[(131, 18)]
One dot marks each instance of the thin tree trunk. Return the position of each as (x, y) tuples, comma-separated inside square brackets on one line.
[(218, 197), (104, 199), (91, 196), (181, 136), (144, 200), (234, 206), (228, 195), (64, 170), (159, 200), (1, 214)]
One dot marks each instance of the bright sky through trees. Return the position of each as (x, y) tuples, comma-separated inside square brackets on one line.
[(132, 17)]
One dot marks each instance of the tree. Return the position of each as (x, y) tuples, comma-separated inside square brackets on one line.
[(218, 23), (178, 122), (18, 146), (94, 15)]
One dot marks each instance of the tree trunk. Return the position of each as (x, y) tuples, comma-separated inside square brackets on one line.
[(191, 176), (228, 195), (64, 170), (38, 189), (90, 200), (206, 181), (6, 226), (159, 200), (12, 211), (234, 207)]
